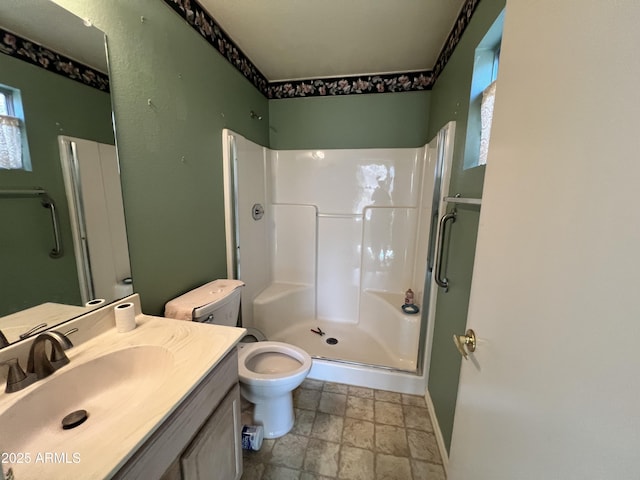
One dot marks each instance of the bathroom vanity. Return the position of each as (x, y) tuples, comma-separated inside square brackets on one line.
[(162, 400), (202, 436)]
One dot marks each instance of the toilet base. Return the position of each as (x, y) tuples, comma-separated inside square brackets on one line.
[(275, 414)]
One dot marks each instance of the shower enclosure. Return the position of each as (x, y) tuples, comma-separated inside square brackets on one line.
[(96, 212), (328, 242)]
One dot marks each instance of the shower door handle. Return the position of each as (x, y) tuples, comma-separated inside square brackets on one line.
[(442, 282)]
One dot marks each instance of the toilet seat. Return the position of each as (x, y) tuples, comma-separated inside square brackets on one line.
[(284, 367)]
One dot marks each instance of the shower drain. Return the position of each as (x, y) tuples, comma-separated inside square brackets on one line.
[(332, 341)]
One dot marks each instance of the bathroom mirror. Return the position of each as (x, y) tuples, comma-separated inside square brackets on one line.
[(36, 286)]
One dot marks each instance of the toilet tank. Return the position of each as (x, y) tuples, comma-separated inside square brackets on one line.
[(216, 302)]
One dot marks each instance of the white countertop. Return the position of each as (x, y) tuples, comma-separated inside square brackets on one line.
[(51, 313), (116, 426)]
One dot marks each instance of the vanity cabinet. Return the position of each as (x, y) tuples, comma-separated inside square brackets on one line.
[(201, 439), (212, 454)]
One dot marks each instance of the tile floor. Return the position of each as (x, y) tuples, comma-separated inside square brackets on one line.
[(349, 433)]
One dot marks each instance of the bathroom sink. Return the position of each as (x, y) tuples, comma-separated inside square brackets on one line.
[(128, 383), (107, 388)]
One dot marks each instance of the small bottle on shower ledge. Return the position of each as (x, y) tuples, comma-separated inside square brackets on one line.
[(408, 297)]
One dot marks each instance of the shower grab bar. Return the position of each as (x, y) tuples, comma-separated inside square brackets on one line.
[(15, 192), (442, 282), (47, 202), (56, 251), (432, 241)]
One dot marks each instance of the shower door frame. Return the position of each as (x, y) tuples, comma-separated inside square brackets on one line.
[(444, 145)]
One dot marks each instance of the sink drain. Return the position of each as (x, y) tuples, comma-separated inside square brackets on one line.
[(74, 419), (332, 341)]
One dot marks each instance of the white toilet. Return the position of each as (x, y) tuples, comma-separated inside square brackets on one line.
[(268, 371)]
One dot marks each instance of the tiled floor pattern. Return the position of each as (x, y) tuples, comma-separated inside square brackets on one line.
[(349, 433)]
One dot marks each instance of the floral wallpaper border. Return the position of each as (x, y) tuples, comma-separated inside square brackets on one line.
[(395, 82), (196, 16), (463, 20), (15, 46), (191, 11)]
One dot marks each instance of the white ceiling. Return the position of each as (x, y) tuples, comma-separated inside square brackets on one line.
[(285, 39), (33, 19), (305, 39)]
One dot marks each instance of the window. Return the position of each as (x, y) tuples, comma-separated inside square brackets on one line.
[(486, 119), (483, 92), (14, 149)]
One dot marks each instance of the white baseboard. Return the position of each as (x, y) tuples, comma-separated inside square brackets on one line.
[(438, 433)]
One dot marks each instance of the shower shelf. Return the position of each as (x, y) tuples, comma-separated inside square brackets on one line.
[(468, 201)]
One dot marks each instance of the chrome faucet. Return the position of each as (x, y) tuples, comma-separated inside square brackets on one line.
[(43, 365), (16, 378)]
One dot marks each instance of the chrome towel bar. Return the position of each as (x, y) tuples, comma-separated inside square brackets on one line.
[(463, 200)]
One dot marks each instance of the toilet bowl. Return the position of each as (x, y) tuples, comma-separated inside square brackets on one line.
[(269, 372)]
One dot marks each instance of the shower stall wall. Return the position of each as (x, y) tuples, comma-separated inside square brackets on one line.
[(330, 240)]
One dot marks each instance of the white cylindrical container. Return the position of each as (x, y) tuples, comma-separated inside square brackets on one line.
[(96, 302), (125, 317), (252, 436)]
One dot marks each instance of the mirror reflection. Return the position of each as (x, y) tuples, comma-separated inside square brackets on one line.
[(63, 239)]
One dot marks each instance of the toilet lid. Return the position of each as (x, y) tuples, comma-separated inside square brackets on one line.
[(271, 360)]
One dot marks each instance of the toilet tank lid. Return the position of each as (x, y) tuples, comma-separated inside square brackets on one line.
[(182, 307)]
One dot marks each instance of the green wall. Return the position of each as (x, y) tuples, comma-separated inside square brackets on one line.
[(172, 94), (53, 105), (356, 121), (170, 152), (450, 101)]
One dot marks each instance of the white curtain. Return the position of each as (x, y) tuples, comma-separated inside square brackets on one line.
[(10, 143), (486, 116)]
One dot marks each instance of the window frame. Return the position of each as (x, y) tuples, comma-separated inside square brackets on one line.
[(14, 107), (485, 72)]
